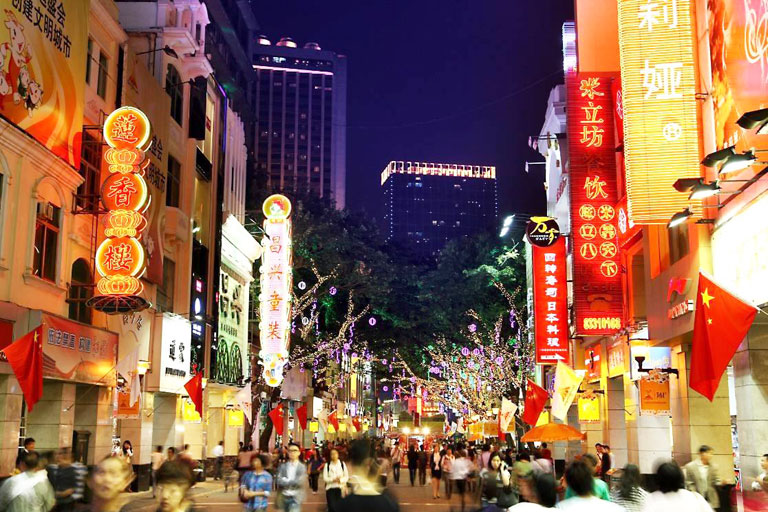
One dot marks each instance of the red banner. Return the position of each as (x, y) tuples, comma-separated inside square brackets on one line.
[(593, 356), (597, 291), (78, 352), (550, 297)]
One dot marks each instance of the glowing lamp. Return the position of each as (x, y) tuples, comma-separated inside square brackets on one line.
[(406, 430), (738, 162), (679, 218), (756, 118), (704, 190)]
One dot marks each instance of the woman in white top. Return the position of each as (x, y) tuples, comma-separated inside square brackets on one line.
[(335, 476), (672, 495)]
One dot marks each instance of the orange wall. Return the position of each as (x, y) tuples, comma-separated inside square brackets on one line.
[(597, 35)]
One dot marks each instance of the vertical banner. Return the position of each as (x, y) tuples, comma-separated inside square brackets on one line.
[(589, 408), (550, 296), (616, 365), (124, 408), (43, 48), (593, 356), (597, 288), (654, 394), (661, 137)]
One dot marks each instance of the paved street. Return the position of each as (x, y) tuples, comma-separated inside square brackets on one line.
[(211, 496)]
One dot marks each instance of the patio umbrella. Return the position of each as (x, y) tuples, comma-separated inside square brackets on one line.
[(551, 432)]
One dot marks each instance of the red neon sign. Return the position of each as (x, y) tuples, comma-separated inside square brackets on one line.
[(550, 297), (596, 262)]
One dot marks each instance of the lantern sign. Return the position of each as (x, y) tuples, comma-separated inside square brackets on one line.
[(597, 291), (276, 286), (121, 258)]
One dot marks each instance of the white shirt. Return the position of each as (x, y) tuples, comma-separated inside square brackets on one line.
[(332, 471), (676, 502), (591, 504), (460, 469), (527, 507), (218, 451), (157, 460)]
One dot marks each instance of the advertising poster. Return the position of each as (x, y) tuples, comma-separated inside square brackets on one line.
[(175, 353), (654, 394), (597, 292), (655, 357), (188, 412), (78, 352), (124, 409), (43, 46), (589, 409)]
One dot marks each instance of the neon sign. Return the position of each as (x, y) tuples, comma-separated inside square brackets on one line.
[(120, 258), (276, 283), (597, 282), (550, 296)]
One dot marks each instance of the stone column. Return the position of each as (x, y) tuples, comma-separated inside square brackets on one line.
[(10, 420), (616, 421), (139, 432), (697, 421), (750, 371), (51, 421), (648, 437), (166, 421), (94, 413)]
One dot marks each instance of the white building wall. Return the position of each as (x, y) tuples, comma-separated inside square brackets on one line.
[(234, 165)]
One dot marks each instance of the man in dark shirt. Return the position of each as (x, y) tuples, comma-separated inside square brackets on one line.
[(29, 446), (67, 479), (422, 464)]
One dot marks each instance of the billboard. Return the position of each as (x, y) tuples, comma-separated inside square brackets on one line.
[(661, 137), (175, 353), (597, 286), (738, 45), (42, 71), (550, 297)]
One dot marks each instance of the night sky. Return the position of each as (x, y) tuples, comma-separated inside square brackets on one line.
[(448, 81)]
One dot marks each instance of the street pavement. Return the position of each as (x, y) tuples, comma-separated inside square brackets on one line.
[(210, 495)]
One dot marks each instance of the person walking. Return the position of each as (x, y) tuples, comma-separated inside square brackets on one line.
[(702, 476), (435, 470), (629, 494), (243, 462), (314, 465), (290, 480), (335, 476), (107, 481), (421, 464), (580, 479), (157, 460), (218, 454), (672, 495), (599, 487), (397, 459), (413, 462), (541, 495), (366, 496), (29, 446), (28, 491), (68, 480), (171, 454), (256, 485), (447, 467), (384, 466), (496, 483), (459, 474), (174, 479)]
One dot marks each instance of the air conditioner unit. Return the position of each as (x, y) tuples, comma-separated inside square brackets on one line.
[(46, 210)]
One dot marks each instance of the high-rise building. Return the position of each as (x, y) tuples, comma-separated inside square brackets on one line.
[(428, 204), (300, 96)]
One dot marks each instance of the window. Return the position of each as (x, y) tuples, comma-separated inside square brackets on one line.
[(80, 290), (88, 61), (173, 89), (101, 85), (165, 290), (46, 241), (174, 182), (90, 163)]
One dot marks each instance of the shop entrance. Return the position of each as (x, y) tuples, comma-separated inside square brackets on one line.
[(80, 439)]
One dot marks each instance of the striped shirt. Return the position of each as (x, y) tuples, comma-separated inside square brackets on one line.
[(69, 477), (634, 503)]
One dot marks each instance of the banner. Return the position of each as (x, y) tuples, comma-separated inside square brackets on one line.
[(616, 357), (188, 412), (567, 382), (654, 394), (507, 415), (43, 49), (589, 409), (78, 352), (597, 289), (124, 408), (235, 418), (550, 297), (593, 362)]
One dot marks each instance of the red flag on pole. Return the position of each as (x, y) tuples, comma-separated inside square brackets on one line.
[(720, 325), (194, 387), (276, 415), (334, 420), (535, 400), (301, 414), (25, 356), (356, 423)]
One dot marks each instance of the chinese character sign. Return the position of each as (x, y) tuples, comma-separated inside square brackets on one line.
[(121, 258), (42, 71), (597, 292), (550, 296), (659, 105), (276, 283)]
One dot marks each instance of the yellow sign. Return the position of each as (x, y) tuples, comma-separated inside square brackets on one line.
[(654, 395), (589, 410), (314, 426), (235, 418), (543, 418), (42, 71), (188, 412), (661, 139)]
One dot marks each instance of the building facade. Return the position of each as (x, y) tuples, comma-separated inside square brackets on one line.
[(428, 204), (300, 97)]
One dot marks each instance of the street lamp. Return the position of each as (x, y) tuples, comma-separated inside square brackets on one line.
[(755, 118), (703, 190), (738, 162), (165, 49), (679, 218), (505, 227)]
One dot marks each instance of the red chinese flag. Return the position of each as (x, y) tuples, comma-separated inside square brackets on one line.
[(194, 387), (535, 399), (25, 356), (301, 414), (276, 415), (334, 420), (721, 323)]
